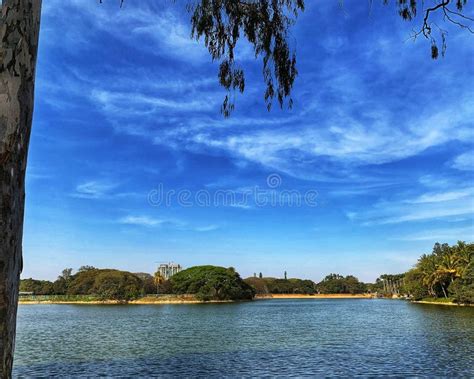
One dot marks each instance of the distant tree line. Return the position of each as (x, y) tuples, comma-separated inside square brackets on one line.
[(447, 272), (205, 282), (281, 286), (331, 284), (106, 284)]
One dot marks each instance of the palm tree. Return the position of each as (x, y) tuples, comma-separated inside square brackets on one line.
[(427, 264), (464, 254), (452, 264), (444, 266)]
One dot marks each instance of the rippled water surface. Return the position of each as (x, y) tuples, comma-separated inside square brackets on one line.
[(270, 337)]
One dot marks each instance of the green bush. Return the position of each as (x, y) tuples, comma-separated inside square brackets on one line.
[(211, 283), (462, 289), (116, 285), (335, 283), (106, 284), (148, 282), (83, 282), (103, 284), (413, 285), (38, 287)]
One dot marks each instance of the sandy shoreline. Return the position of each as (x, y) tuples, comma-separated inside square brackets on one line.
[(315, 296), (116, 302), (163, 299), (439, 303), (189, 299)]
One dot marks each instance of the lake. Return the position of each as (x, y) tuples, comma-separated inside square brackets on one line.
[(266, 337)]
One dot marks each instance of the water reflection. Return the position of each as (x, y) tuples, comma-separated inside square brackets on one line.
[(274, 337)]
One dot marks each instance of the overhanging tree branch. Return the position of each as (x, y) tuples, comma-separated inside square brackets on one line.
[(409, 12), (266, 25)]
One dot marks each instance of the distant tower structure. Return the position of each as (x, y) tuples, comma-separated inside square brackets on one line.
[(286, 276), (167, 270)]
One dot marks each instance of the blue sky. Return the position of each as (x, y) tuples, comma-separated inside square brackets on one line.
[(128, 105)]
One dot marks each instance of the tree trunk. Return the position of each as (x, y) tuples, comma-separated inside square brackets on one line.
[(19, 30), (444, 291)]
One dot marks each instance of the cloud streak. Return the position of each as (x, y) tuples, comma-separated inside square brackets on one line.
[(206, 228), (141, 221), (94, 190), (464, 161), (453, 234), (426, 208)]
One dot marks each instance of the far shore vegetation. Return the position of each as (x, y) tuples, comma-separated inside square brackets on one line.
[(446, 275)]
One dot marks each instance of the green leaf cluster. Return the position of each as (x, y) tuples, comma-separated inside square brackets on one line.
[(211, 283), (448, 271)]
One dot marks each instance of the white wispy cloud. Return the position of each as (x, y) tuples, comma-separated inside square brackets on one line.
[(426, 214), (241, 206), (464, 161), (206, 228), (401, 211), (323, 140), (94, 189), (157, 28), (141, 221), (36, 173), (169, 33), (441, 197), (452, 234), (153, 222), (438, 182), (335, 145), (357, 189), (138, 104)]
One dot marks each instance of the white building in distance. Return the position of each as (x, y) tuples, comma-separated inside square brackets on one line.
[(167, 270)]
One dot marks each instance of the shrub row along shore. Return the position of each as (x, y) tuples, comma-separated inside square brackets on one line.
[(172, 299), (445, 276)]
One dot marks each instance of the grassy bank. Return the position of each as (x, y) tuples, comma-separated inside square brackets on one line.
[(441, 301), (191, 299), (35, 299), (89, 299), (168, 299), (175, 299), (315, 296)]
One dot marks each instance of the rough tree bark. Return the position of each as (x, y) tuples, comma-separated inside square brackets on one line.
[(19, 30)]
